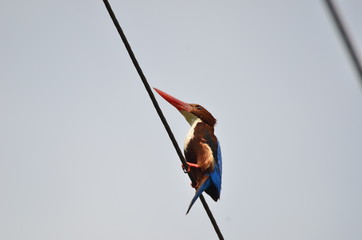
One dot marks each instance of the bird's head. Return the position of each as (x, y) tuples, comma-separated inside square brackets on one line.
[(191, 112)]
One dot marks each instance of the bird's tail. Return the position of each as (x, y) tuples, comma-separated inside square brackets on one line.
[(202, 188)]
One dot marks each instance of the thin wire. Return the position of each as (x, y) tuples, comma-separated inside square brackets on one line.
[(160, 114), (344, 34)]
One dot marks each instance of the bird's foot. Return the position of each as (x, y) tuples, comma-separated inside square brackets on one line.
[(189, 165)]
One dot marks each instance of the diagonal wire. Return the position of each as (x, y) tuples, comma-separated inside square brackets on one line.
[(346, 38), (158, 109)]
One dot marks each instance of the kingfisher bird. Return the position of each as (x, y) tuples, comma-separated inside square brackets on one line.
[(201, 148)]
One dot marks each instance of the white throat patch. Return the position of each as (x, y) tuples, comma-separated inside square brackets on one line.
[(190, 118)]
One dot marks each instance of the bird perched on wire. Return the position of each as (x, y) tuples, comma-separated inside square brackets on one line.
[(201, 148)]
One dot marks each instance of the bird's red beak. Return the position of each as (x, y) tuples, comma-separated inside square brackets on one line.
[(180, 105)]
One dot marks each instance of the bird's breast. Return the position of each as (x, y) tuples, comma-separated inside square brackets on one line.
[(191, 133)]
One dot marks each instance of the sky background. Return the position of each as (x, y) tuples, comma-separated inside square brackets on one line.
[(84, 155)]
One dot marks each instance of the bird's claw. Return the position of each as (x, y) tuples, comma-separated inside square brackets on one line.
[(186, 170)]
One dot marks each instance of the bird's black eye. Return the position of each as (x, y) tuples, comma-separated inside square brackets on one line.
[(199, 107)]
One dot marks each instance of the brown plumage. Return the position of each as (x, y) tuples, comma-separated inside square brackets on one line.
[(202, 150), (199, 151)]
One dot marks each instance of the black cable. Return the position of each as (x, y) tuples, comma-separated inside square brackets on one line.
[(347, 40), (160, 114)]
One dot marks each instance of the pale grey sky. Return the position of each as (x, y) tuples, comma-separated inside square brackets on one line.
[(84, 156)]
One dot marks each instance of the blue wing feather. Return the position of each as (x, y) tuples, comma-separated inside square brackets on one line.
[(202, 188), (217, 172)]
